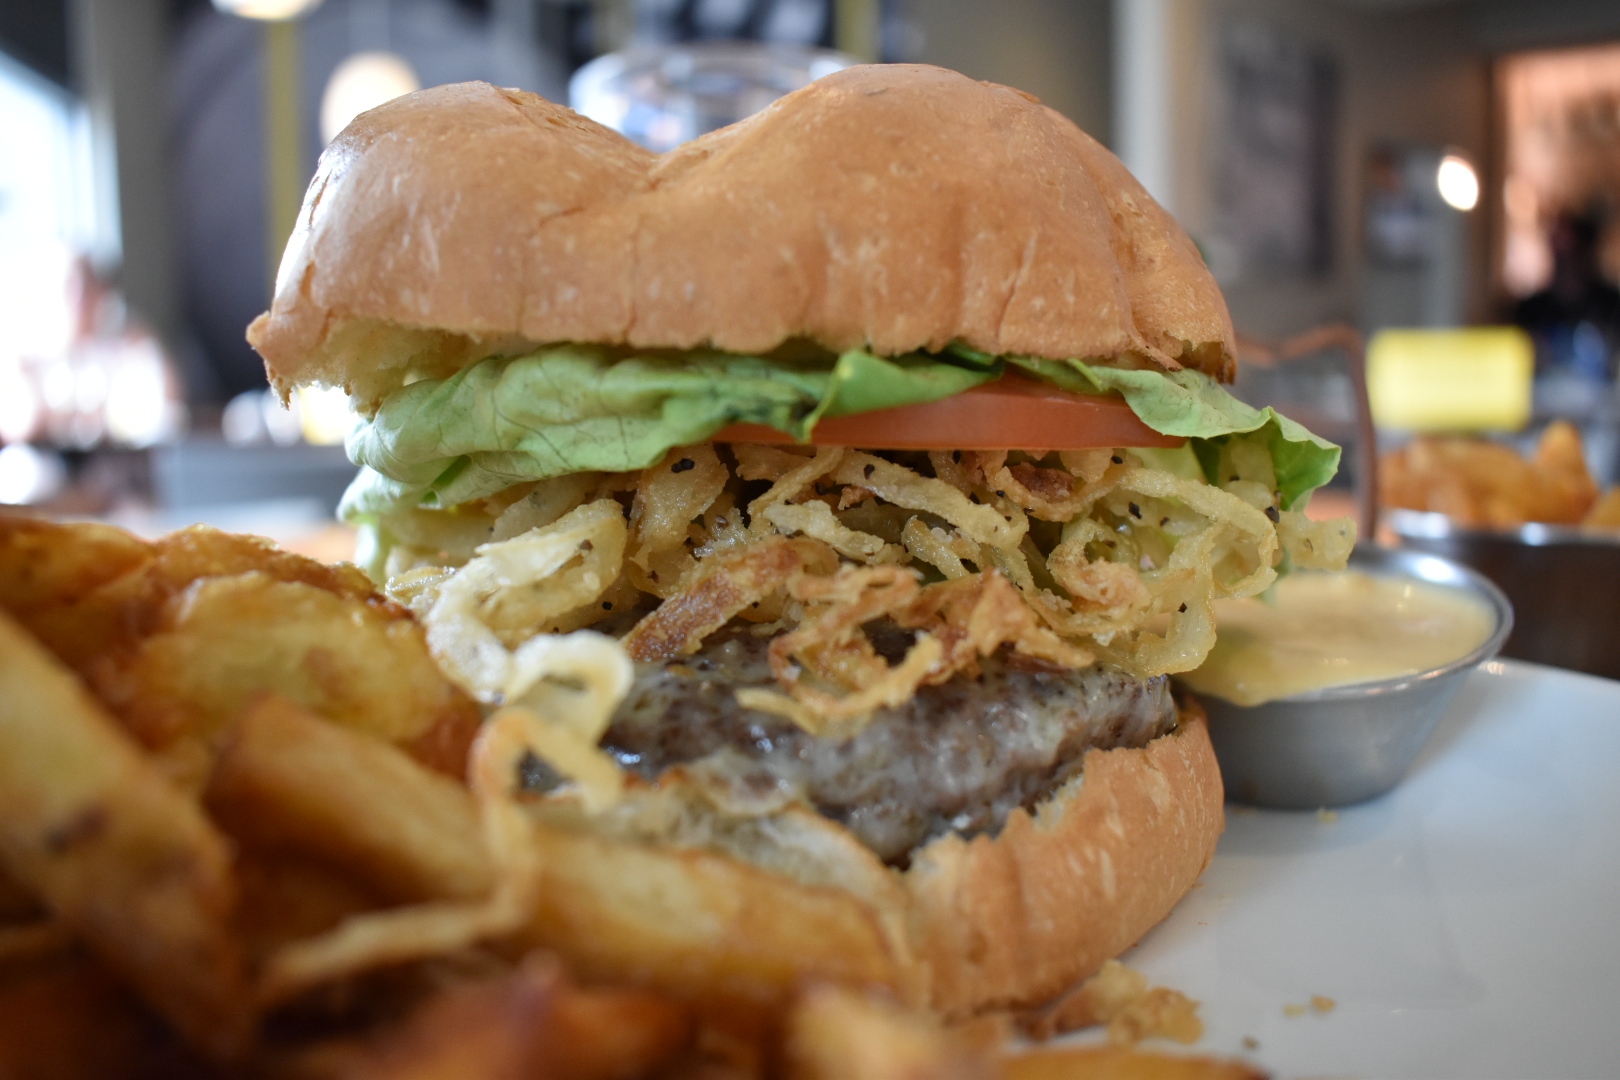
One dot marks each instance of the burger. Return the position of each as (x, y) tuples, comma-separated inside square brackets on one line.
[(875, 444)]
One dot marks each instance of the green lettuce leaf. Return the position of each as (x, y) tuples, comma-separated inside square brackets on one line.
[(1192, 405), (508, 420)]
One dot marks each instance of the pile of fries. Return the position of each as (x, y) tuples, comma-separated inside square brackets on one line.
[(247, 828), (1482, 483), (1067, 558)]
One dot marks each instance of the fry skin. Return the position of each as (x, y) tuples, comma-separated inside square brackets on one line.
[(177, 635), (700, 926), (112, 850), (1482, 483), (70, 1020), (834, 1032), (287, 778), (227, 640), (531, 1024), (84, 587)]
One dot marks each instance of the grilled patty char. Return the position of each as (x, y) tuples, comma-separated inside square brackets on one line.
[(959, 756)]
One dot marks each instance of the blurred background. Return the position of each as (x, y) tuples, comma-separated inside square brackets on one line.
[(1382, 164)]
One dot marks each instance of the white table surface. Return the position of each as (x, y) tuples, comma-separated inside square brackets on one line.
[(1467, 924)]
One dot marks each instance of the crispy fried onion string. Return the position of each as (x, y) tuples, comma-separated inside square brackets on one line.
[(669, 498), (1049, 494), (942, 550), (481, 618), (901, 486), (792, 482), (376, 939), (724, 586), (815, 519), (1064, 557), (1231, 520), (1108, 597), (584, 676), (1316, 545), (974, 616), (956, 623), (829, 646)]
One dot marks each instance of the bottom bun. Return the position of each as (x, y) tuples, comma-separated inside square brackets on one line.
[(1015, 920), (737, 910)]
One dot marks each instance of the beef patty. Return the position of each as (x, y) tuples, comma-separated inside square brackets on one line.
[(960, 756)]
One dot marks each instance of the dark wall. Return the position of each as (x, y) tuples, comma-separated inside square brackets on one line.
[(35, 32)]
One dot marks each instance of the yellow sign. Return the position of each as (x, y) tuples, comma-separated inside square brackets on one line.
[(1476, 379)]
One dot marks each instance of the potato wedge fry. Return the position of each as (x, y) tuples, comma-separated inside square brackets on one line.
[(84, 587), (34, 940), (1605, 513), (288, 896), (46, 565), (118, 610), (17, 904), (114, 852), (71, 1021), (836, 1033), (377, 939), (1120, 1063), (229, 639), (201, 551), (287, 778), (531, 1024), (1479, 482), (700, 926), (49, 572)]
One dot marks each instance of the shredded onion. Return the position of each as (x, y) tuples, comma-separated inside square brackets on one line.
[(1065, 558)]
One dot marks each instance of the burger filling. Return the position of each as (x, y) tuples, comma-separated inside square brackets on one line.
[(909, 641), (957, 756)]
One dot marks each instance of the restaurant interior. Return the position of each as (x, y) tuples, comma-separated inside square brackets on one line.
[(160, 149), (1411, 207), (1368, 164)]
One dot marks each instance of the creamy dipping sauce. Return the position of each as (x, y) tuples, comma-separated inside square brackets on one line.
[(1336, 629)]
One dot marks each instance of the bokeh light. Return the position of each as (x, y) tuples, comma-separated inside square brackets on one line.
[(363, 81), (1458, 183)]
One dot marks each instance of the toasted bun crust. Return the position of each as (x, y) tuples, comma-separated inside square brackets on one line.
[(971, 926), (895, 207), (1016, 920)]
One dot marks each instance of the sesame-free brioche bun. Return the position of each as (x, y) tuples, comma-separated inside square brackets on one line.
[(1014, 920), (1008, 921), (892, 207)]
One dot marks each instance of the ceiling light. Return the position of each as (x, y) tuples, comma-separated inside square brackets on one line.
[(29, 475), (267, 10), (363, 81), (1458, 183)]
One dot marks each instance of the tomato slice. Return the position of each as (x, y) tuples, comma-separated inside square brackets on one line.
[(1012, 413)]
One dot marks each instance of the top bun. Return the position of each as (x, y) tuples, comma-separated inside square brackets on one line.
[(892, 207)]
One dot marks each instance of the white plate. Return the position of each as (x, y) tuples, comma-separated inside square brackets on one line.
[(1467, 924)]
